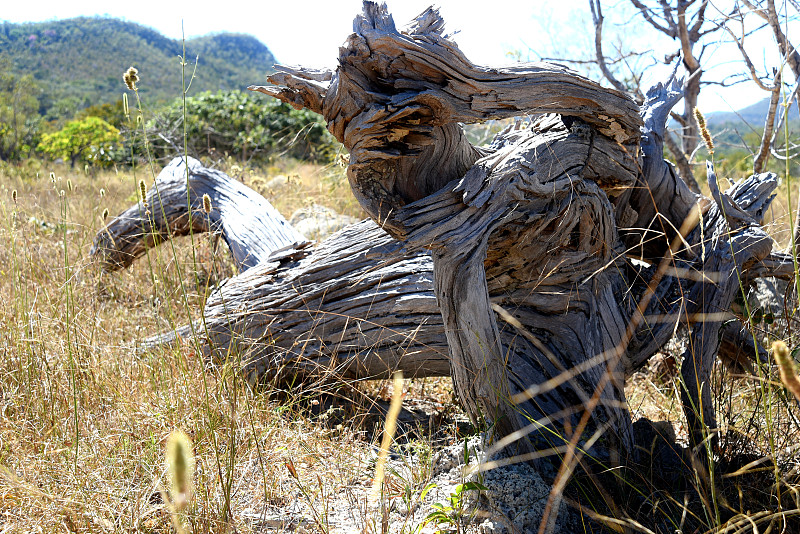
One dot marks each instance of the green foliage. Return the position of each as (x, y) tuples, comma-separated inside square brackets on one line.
[(19, 113), (112, 113), (242, 125), (92, 53), (451, 514), (91, 140)]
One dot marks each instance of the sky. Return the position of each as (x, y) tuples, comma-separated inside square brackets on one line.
[(309, 32)]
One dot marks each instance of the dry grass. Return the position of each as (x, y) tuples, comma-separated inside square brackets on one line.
[(67, 356), (84, 417)]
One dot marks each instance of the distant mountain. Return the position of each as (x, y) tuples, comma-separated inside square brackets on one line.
[(79, 62), (753, 114)]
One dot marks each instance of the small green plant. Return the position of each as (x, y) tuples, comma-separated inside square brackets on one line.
[(451, 515)]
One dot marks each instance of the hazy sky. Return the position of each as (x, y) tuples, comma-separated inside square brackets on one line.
[(309, 32)]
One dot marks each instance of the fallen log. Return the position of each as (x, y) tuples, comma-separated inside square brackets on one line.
[(544, 219), (279, 339), (267, 333), (545, 313), (247, 222), (356, 306)]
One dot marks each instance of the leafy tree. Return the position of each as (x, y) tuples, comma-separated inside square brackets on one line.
[(113, 114), (19, 113), (239, 124), (91, 139), (93, 52)]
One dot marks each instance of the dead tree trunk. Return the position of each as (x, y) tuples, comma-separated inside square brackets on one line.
[(539, 222), (535, 230), (248, 223), (357, 306)]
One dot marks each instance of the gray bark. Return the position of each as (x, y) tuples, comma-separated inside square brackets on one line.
[(248, 223), (535, 231), (537, 221), (359, 305)]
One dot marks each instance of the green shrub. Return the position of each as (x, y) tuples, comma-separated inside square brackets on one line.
[(91, 140), (241, 125)]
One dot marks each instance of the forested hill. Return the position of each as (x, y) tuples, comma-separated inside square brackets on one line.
[(79, 62)]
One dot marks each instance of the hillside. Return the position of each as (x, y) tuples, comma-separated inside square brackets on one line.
[(79, 62), (752, 115)]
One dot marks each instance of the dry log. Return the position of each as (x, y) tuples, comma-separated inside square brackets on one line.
[(248, 223), (535, 230), (266, 332), (356, 306), (543, 220)]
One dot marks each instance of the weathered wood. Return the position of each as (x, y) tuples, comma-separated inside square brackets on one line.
[(529, 220), (544, 218), (396, 100), (248, 223), (257, 316), (529, 238), (356, 306)]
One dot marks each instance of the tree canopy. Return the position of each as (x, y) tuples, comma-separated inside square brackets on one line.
[(91, 140)]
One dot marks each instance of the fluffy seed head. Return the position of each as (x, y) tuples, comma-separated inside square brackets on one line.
[(14, 196), (52, 177), (131, 78), (206, 203), (701, 122), (142, 192), (102, 192), (786, 367), (180, 466), (105, 214)]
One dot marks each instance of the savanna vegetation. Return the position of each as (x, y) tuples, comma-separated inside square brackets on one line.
[(86, 415)]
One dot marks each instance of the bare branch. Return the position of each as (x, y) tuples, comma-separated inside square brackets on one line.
[(686, 43), (670, 30), (597, 19), (761, 12), (769, 123), (677, 118), (787, 49), (750, 66)]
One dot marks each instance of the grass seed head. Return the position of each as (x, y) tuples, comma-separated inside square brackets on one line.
[(125, 110), (180, 467), (105, 214), (701, 122), (14, 196), (783, 358), (131, 78), (142, 192), (206, 203)]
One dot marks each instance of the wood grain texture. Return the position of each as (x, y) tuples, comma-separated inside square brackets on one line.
[(544, 219), (357, 306)]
